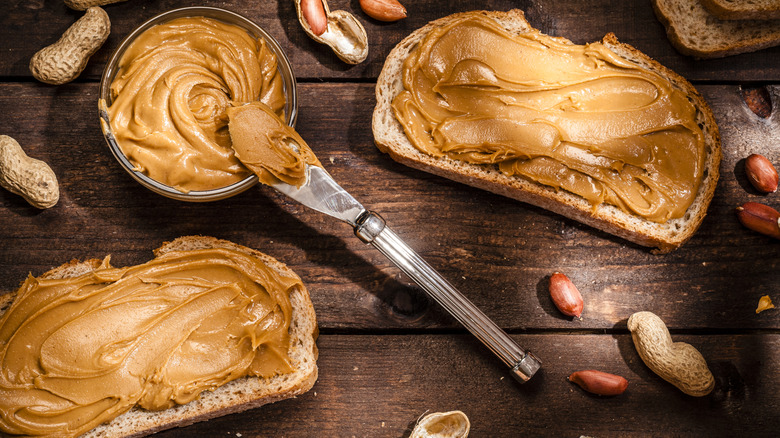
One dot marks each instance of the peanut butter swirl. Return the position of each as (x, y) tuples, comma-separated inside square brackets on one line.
[(267, 146), (573, 117), (174, 83), (80, 351)]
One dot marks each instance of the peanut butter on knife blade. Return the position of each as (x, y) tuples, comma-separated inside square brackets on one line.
[(267, 146)]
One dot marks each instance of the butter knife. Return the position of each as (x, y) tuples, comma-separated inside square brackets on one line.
[(321, 193)]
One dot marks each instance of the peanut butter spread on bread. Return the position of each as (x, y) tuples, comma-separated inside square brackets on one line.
[(573, 117), (267, 146), (174, 83), (77, 352)]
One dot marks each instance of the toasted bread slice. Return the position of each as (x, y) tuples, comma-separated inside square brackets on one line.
[(235, 396), (390, 138), (743, 9), (694, 31)]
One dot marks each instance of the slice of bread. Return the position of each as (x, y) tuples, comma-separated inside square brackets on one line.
[(390, 138), (743, 9), (235, 396), (693, 31)]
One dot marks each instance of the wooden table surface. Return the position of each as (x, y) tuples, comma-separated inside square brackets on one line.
[(387, 353)]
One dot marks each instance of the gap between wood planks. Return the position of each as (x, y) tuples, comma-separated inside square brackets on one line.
[(548, 331)]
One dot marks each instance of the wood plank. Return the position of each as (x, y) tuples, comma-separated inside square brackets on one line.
[(27, 26), (388, 354), (390, 381), (497, 251)]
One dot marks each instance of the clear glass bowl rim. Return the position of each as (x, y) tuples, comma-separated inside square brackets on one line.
[(112, 67)]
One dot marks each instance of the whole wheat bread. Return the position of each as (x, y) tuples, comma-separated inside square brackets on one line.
[(694, 31), (743, 9), (235, 396), (390, 138)]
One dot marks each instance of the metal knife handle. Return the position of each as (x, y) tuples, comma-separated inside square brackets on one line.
[(370, 228)]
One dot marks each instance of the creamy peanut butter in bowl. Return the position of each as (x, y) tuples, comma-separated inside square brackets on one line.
[(165, 92)]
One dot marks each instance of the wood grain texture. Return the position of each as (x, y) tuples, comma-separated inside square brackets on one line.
[(388, 354), (498, 251), (26, 26), (390, 381)]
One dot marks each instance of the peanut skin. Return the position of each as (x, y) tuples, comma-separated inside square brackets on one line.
[(761, 173), (565, 295), (81, 5), (383, 10), (599, 382), (64, 60), (315, 16), (676, 362), (32, 179), (761, 218)]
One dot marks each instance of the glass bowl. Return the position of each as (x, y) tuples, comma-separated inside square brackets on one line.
[(112, 68)]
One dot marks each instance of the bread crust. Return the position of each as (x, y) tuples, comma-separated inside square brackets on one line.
[(235, 396), (737, 10), (391, 139), (694, 31)]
